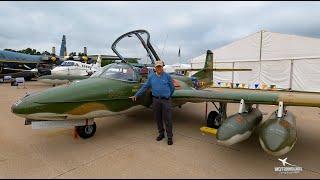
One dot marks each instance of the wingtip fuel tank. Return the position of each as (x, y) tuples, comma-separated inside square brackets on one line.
[(238, 127), (278, 135)]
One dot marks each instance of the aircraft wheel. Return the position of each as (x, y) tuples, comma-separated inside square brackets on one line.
[(213, 120), (36, 75), (86, 131), (28, 78)]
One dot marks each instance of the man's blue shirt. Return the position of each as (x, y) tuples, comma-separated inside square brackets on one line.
[(160, 85)]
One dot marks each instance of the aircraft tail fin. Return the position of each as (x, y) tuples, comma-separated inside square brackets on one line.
[(205, 75), (98, 63), (63, 47)]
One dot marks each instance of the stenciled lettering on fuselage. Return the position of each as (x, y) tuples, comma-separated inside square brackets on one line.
[(112, 94)]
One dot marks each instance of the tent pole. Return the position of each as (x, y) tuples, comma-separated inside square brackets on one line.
[(260, 54), (291, 74), (232, 75)]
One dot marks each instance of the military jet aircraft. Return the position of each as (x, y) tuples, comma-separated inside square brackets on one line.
[(107, 93)]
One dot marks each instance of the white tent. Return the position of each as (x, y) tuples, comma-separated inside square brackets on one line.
[(171, 68), (287, 61)]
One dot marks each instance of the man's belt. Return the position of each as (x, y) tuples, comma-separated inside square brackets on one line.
[(159, 97)]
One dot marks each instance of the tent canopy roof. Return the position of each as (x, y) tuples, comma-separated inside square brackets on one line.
[(266, 45)]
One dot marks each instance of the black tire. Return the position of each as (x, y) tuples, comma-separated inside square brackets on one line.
[(213, 120), (28, 78), (86, 131), (36, 75)]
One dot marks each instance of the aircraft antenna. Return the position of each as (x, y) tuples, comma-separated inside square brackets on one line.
[(164, 45)]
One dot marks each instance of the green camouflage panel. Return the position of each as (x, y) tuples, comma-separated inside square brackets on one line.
[(105, 93), (239, 124), (250, 96), (113, 94), (63, 77)]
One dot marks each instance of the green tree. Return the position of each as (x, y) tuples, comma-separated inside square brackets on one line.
[(27, 51), (72, 54), (45, 53), (34, 51), (10, 50), (80, 54)]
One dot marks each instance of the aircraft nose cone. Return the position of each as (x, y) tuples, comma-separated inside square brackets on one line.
[(16, 107), (13, 108), (23, 106)]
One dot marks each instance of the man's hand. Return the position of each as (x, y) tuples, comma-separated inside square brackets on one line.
[(134, 98)]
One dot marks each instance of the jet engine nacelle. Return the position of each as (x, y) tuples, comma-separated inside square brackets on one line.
[(277, 136), (238, 127)]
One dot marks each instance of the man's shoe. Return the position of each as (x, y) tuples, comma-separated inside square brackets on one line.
[(160, 137), (170, 142)]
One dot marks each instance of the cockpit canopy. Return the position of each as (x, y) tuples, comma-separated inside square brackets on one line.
[(67, 63), (118, 71)]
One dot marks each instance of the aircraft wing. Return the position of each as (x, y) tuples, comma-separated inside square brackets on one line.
[(250, 96), (14, 69)]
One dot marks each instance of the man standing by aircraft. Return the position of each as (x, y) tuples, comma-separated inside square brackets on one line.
[(162, 87)]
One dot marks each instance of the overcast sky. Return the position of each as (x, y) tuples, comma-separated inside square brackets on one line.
[(194, 26)]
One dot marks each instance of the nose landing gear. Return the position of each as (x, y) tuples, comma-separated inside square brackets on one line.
[(86, 131)]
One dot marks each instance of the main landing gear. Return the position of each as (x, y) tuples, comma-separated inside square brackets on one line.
[(215, 118)]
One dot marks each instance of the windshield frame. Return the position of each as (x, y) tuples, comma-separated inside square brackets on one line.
[(125, 66), (147, 45), (67, 63)]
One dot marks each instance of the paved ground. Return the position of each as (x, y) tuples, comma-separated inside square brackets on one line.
[(124, 147)]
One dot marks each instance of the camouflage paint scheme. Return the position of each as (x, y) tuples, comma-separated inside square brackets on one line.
[(113, 95), (250, 96), (60, 79), (98, 97)]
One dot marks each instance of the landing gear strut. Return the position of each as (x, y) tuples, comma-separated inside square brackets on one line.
[(86, 131)]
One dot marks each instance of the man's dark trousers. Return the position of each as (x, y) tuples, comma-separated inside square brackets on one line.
[(162, 111)]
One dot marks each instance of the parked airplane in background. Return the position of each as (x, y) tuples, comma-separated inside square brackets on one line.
[(107, 93), (70, 71), (18, 64), (63, 56), (73, 68), (173, 68)]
